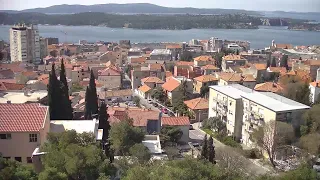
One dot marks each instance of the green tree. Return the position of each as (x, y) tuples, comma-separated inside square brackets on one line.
[(53, 95), (311, 143), (186, 56), (304, 172), (218, 58), (211, 151), (284, 62), (170, 134), (65, 101), (204, 148), (141, 152), (204, 90), (273, 62), (103, 121), (136, 100), (311, 122), (159, 94), (123, 136), (88, 105), (237, 51), (93, 94), (12, 170), (75, 155), (51, 173), (269, 60)]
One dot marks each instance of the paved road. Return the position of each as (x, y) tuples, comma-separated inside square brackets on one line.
[(197, 135)]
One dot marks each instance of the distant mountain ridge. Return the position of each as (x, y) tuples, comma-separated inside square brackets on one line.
[(136, 8)]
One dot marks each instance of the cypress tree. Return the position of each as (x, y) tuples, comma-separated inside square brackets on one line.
[(65, 101), (284, 61), (211, 151), (103, 121), (53, 94), (204, 150), (93, 100), (268, 60), (273, 62), (87, 113)]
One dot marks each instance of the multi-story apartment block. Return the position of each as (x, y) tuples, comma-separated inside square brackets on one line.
[(43, 47), (262, 107), (226, 102), (244, 110), (24, 43)]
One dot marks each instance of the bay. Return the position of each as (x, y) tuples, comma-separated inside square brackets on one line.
[(259, 38)]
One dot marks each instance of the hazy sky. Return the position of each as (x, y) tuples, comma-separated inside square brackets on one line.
[(268, 5)]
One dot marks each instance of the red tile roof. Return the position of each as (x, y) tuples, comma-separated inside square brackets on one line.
[(138, 59), (144, 88), (4, 86), (175, 121), (198, 103), (204, 58), (210, 66), (22, 117), (269, 87), (109, 72), (6, 74), (206, 78), (171, 84), (169, 74), (152, 79), (184, 63), (173, 46)]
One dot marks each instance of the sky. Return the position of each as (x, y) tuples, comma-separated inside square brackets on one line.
[(259, 5)]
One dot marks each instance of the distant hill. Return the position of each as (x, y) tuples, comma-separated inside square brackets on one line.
[(134, 8)]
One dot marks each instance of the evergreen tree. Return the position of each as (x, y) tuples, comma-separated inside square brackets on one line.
[(65, 101), (103, 121), (87, 113), (204, 150), (284, 62), (273, 62), (93, 100), (211, 151), (268, 60), (53, 94)]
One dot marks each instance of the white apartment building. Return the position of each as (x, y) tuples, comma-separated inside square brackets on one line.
[(24, 43), (244, 110)]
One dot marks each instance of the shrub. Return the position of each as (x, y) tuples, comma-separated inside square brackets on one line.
[(230, 142), (252, 153)]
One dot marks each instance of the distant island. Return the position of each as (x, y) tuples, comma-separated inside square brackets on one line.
[(142, 21)]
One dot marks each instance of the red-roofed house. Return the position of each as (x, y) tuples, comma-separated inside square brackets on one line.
[(182, 122), (199, 107), (4, 86), (110, 78), (23, 128), (314, 91)]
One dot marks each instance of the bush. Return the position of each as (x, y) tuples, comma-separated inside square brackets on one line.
[(252, 153), (230, 142)]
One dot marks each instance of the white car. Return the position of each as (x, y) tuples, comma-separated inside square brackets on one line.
[(316, 166)]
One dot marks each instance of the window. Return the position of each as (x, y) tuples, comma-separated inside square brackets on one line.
[(5, 136), (17, 159), (33, 137), (29, 160)]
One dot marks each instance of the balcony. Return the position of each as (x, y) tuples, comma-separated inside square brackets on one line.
[(221, 102), (222, 111)]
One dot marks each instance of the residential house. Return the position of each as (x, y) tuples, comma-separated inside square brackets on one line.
[(144, 91), (314, 66), (152, 82), (273, 72), (115, 95), (24, 127), (176, 50), (199, 108), (314, 91), (262, 107), (161, 54), (7, 86), (6, 74), (226, 78), (203, 61), (114, 57), (202, 81), (40, 84), (257, 70), (172, 88), (23, 96), (232, 60), (269, 87), (209, 69), (186, 69), (182, 123), (136, 60), (249, 81), (142, 72), (110, 78), (78, 73)]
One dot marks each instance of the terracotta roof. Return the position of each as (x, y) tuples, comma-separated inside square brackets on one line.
[(15, 67), (173, 46), (22, 117), (169, 74), (29, 73), (249, 78), (284, 46), (43, 76), (6, 74), (138, 59), (210, 66), (152, 80), (184, 63), (206, 78), (204, 58), (269, 87), (198, 103), (144, 88), (4, 86), (315, 84), (314, 62), (278, 69), (8, 80), (108, 72), (155, 67), (232, 77), (171, 84), (232, 57), (260, 66), (85, 83), (175, 121)]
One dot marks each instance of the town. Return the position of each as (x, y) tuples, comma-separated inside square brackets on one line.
[(203, 109)]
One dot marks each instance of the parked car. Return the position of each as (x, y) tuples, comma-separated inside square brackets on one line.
[(165, 111), (190, 127), (316, 166)]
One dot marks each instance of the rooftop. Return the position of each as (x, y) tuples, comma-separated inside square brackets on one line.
[(152, 80), (269, 87), (22, 117), (204, 58), (234, 90), (232, 57), (21, 97), (144, 88), (161, 52), (4, 86), (114, 93), (206, 78), (273, 101), (171, 84), (175, 121), (152, 142), (198, 103)]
